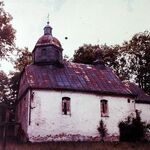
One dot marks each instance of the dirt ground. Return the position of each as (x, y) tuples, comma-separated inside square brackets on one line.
[(76, 146)]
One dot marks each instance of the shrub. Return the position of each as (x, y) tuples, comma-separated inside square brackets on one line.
[(102, 130), (133, 129)]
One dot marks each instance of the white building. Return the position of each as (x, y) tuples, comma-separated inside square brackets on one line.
[(64, 101), (142, 101)]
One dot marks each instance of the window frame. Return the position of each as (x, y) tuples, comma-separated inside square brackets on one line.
[(66, 103), (104, 108)]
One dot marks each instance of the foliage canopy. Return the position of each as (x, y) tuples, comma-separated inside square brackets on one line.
[(7, 33), (130, 61)]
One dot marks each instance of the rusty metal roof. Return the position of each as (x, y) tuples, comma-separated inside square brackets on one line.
[(48, 39), (142, 97), (74, 77)]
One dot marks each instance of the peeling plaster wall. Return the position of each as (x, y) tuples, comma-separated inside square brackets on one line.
[(49, 124), (145, 111)]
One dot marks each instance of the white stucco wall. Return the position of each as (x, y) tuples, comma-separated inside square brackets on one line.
[(48, 123), (145, 111)]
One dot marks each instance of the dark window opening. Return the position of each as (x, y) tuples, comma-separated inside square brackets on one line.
[(128, 100), (104, 108), (66, 106)]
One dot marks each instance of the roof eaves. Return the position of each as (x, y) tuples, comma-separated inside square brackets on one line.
[(46, 44), (142, 101), (88, 91)]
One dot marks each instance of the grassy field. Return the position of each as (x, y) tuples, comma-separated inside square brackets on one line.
[(77, 146)]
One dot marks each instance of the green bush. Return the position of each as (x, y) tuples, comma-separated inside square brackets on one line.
[(133, 129)]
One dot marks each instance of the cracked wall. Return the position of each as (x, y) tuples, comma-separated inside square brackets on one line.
[(49, 124)]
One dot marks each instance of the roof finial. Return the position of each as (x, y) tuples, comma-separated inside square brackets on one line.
[(47, 28), (48, 19)]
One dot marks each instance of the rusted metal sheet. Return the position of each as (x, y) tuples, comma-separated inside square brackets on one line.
[(73, 76), (48, 39), (142, 97)]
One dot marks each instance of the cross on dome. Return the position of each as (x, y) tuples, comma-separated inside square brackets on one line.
[(48, 19), (48, 28)]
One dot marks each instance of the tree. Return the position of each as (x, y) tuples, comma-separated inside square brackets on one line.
[(114, 59), (14, 78), (130, 61), (133, 129), (7, 33), (85, 54), (7, 46), (4, 87), (24, 57), (9, 84), (8, 88), (7, 93), (102, 130), (137, 53)]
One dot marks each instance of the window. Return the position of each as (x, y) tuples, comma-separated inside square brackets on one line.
[(128, 100), (43, 55), (66, 106), (44, 52), (104, 108)]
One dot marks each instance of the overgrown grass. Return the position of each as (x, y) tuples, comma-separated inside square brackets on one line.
[(77, 146)]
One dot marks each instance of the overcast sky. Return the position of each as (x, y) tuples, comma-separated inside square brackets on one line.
[(82, 21)]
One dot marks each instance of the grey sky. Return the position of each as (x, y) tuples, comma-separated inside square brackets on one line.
[(82, 21)]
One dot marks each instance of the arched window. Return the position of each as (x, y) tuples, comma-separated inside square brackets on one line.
[(104, 108), (66, 106)]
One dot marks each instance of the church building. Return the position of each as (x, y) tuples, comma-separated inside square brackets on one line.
[(64, 101)]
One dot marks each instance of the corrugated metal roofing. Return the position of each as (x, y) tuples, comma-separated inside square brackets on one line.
[(76, 77), (142, 97)]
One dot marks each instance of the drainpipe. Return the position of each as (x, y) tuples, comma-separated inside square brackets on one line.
[(30, 100)]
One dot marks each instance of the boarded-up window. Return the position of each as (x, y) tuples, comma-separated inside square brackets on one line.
[(104, 108), (66, 106)]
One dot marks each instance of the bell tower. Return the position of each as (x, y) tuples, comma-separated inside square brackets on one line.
[(48, 49)]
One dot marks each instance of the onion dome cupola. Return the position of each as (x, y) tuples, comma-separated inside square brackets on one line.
[(48, 49)]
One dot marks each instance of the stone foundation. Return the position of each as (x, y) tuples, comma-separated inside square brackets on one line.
[(71, 137)]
